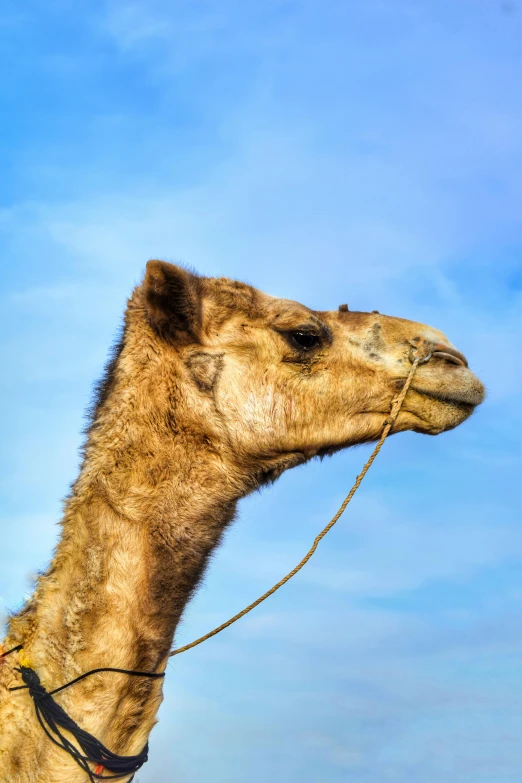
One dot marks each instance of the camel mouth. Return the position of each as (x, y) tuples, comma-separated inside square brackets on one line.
[(458, 387), (460, 398), (446, 378)]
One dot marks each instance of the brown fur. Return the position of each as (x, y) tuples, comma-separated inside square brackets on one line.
[(208, 397)]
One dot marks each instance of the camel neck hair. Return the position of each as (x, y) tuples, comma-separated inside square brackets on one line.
[(136, 537)]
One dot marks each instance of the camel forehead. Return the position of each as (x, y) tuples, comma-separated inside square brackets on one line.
[(232, 294), (227, 299)]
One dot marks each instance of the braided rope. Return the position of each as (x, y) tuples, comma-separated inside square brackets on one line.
[(388, 425)]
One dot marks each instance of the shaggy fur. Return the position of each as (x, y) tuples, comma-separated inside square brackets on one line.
[(209, 395)]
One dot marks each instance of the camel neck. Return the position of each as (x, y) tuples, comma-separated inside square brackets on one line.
[(133, 549), (131, 560)]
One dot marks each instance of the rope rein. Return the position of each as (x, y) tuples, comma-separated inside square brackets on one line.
[(52, 717)]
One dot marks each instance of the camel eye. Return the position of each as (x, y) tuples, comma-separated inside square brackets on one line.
[(305, 340)]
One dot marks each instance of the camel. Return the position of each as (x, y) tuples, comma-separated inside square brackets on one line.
[(214, 389)]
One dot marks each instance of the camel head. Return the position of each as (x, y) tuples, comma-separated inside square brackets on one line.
[(276, 383)]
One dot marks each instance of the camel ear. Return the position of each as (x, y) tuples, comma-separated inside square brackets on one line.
[(173, 301)]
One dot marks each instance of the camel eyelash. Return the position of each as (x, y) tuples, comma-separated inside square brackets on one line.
[(304, 339)]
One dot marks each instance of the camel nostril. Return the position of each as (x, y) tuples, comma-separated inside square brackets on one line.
[(449, 355)]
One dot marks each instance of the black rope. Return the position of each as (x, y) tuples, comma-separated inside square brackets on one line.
[(52, 717), (14, 649)]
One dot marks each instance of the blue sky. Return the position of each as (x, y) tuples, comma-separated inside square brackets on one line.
[(365, 151)]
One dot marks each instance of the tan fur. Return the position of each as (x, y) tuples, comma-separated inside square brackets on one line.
[(208, 399)]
